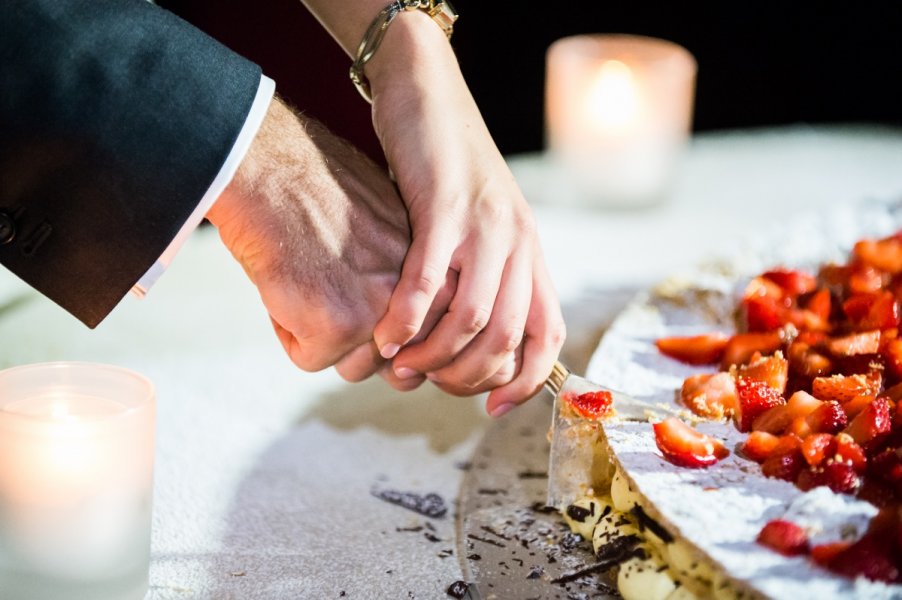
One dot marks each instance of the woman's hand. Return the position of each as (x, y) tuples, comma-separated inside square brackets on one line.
[(503, 326)]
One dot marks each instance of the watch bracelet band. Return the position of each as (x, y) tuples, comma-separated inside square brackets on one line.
[(439, 11)]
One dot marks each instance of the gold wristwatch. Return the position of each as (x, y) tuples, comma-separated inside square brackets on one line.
[(439, 11)]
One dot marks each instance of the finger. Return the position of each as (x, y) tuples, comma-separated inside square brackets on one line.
[(422, 276), (469, 313), (494, 346), (312, 355), (545, 333), (360, 363), (402, 385), (508, 370)]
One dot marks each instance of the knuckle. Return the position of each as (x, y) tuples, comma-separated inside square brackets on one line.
[(510, 339), (427, 282), (474, 319), (557, 334)]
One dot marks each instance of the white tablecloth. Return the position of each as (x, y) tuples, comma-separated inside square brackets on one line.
[(264, 473)]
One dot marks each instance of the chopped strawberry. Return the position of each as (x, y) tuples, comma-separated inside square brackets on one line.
[(743, 345), (763, 313), (891, 352), (777, 419), (710, 395), (818, 447), (592, 405), (873, 310), (785, 537), (839, 477), (871, 424), (865, 342), (878, 493), (793, 282), (845, 387), (785, 460), (849, 452), (884, 254), (686, 447), (759, 445), (871, 557), (806, 361), (822, 554), (770, 370), (696, 349), (762, 287), (819, 304), (829, 417), (755, 397), (856, 405), (886, 466), (864, 279)]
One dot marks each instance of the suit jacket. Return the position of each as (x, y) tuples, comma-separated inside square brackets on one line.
[(115, 116)]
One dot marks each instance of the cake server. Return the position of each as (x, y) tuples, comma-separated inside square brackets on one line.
[(578, 460)]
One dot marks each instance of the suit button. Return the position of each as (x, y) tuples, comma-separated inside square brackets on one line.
[(7, 228)]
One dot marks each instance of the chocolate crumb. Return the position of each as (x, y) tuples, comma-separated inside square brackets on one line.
[(491, 491), (535, 572), (474, 556), (570, 541), (485, 541), (646, 522), (541, 507), (533, 474), (458, 589), (430, 505), (431, 538), (579, 513)]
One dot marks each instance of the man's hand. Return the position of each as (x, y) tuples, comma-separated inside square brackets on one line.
[(322, 233)]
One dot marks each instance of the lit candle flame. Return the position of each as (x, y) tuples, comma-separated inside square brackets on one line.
[(613, 101)]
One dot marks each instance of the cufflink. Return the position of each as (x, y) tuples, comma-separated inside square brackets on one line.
[(7, 228)]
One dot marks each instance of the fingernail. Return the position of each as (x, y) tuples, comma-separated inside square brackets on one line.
[(405, 373), (389, 350), (502, 409)]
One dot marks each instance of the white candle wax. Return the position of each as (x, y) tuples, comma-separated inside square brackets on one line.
[(76, 463), (618, 110)]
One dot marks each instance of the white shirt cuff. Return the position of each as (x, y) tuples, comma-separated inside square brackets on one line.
[(265, 92)]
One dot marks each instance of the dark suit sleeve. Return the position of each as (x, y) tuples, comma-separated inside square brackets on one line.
[(115, 117)]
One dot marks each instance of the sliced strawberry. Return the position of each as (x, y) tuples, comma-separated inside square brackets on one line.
[(755, 397), (709, 395), (822, 554), (770, 370), (592, 405), (872, 310), (785, 537), (884, 254), (871, 557), (829, 417), (686, 447), (845, 387), (818, 447), (759, 445), (871, 424), (785, 460), (854, 344), (742, 346), (702, 349), (839, 477)]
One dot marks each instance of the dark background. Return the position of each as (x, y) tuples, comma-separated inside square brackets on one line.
[(759, 63)]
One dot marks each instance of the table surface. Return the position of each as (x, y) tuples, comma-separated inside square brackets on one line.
[(265, 475)]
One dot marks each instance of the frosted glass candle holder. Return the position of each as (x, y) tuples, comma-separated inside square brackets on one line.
[(618, 112), (76, 482)]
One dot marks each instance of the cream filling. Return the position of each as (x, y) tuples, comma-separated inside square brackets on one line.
[(659, 569)]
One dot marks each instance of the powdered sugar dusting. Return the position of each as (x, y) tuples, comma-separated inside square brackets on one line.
[(720, 510)]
